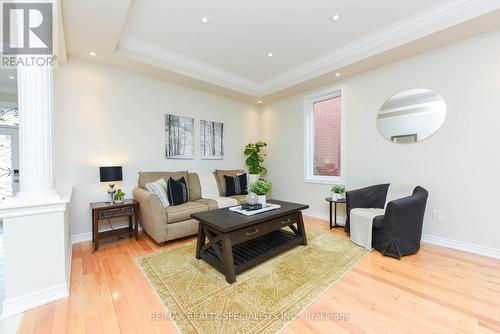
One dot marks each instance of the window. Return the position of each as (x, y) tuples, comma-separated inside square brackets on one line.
[(324, 137), (9, 121)]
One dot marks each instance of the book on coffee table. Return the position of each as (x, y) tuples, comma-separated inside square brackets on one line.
[(265, 208)]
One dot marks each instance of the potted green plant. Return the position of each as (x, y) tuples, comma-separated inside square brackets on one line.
[(119, 196), (254, 157), (261, 187), (338, 191)]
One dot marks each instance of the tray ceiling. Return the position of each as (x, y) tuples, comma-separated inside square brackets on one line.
[(231, 51)]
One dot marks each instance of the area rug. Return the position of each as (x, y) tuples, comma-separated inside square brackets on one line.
[(263, 300)]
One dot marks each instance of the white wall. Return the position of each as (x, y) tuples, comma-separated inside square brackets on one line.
[(97, 104), (459, 165)]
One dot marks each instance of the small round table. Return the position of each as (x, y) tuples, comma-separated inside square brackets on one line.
[(336, 201)]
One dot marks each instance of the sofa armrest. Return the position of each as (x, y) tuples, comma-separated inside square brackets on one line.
[(369, 197), (152, 214)]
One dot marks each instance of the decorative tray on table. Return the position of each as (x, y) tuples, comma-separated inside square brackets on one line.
[(265, 208)]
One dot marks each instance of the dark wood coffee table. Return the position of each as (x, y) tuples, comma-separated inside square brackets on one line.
[(237, 242)]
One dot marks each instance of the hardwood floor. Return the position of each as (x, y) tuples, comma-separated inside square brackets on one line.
[(438, 290)]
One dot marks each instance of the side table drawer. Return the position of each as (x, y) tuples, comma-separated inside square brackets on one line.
[(119, 212)]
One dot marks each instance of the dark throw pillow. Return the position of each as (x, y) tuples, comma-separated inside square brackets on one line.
[(236, 185), (177, 191)]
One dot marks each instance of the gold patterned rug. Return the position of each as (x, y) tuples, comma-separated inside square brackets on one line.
[(264, 299)]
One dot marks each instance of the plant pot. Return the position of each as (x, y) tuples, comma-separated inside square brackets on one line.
[(253, 177), (262, 200), (337, 196)]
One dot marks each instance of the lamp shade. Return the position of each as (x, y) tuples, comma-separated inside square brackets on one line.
[(112, 173)]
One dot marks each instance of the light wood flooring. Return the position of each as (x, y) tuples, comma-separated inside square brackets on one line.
[(438, 290)]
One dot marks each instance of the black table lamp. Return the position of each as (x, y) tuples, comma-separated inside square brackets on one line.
[(111, 174)]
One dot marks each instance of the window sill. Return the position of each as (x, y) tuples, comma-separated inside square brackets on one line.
[(330, 180)]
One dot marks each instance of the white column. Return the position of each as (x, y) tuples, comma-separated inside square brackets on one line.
[(37, 216), (36, 133)]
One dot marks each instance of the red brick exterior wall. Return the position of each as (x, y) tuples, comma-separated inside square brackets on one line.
[(327, 122)]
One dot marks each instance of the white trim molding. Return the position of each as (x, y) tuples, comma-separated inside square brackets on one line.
[(23, 303), (426, 238), (19, 208), (324, 216), (436, 18), (81, 237), (172, 61), (462, 246), (309, 101), (87, 236)]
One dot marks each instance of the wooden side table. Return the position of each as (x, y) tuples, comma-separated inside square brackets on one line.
[(334, 201), (102, 210)]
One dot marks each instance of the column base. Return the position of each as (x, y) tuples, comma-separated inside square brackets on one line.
[(33, 198), (45, 228), (61, 196)]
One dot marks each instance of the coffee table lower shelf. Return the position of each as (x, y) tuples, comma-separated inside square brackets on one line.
[(249, 253), (233, 243)]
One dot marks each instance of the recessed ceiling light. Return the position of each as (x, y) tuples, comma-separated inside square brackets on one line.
[(336, 17), (270, 54), (259, 102), (337, 74), (92, 53), (12, 77), (204, 19)]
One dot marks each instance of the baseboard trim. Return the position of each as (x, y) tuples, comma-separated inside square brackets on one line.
[(323, 215), (82, 237), (21, 304), (428, 238), (87, 236), (69, 264), (462, 246)]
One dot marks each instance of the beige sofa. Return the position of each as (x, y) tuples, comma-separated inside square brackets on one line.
[(164, 224)]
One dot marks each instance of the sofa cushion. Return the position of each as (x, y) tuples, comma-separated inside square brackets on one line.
[(219, 173), (159, 188), (177, 191), (183, 211), (240, 198), (146, 177), (212, 204), (236, 185), (194, 186)]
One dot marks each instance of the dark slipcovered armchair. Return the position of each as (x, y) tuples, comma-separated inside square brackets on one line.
[(398, 231)]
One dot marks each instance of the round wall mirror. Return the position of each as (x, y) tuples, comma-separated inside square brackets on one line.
[(411, 116)]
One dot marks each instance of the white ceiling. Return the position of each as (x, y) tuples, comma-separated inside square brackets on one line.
[(240, 34), (228, 56)]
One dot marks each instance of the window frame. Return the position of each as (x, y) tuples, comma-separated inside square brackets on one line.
[(309, 101)]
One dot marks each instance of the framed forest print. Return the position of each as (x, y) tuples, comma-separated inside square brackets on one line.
[(211, 140), (179, 137)]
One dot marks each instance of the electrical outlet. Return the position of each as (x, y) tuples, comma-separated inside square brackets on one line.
[(99, 148), (437, 215)]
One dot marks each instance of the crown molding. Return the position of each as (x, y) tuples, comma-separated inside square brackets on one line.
[(178, 63), (443, 15), (438, 17)]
